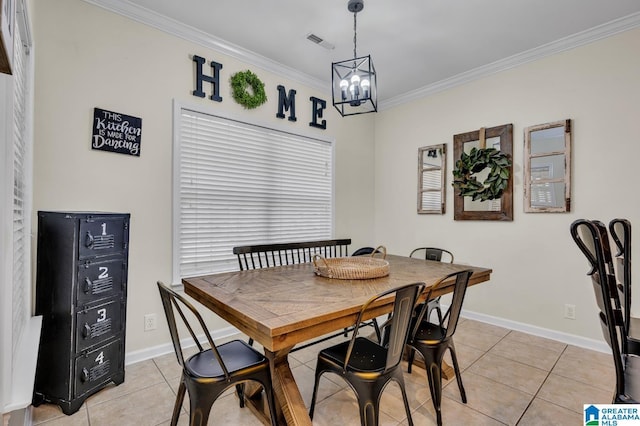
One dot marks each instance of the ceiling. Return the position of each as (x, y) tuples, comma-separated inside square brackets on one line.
[(414, 44)]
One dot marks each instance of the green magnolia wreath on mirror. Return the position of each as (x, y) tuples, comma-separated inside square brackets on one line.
[(476, 161), (242, 80)]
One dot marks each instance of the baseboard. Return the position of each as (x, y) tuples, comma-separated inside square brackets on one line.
[(570, 339), (230, 332), (155, 351)]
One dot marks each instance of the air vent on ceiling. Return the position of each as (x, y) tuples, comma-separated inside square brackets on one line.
[(320, 41)]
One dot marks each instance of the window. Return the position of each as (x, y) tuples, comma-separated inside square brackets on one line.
[(238, 184), (19, 332), (21, 160)]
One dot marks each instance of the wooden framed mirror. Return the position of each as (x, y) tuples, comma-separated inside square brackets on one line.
[(432, 161), (501, 139), (547, 167)]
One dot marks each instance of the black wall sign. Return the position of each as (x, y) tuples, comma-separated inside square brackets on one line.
[(116, 132)]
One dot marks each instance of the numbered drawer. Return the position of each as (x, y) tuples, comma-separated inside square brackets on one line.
[(103, 236), (98, 366), (98, 323), (100, 280)]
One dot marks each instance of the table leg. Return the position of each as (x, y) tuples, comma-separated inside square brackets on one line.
[(290, 408), (290, 404)]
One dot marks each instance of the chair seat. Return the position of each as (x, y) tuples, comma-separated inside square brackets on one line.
[(428, 333), (367, 356), (237, 355)]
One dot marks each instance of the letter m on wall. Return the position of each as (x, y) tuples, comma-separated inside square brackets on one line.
[(286, 103)]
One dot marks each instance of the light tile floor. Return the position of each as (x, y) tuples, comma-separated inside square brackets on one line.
[(511, 378)]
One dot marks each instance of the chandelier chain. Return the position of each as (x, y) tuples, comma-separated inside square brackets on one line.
[(355, 55)]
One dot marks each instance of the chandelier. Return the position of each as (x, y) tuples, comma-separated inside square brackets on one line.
[(353, 81)]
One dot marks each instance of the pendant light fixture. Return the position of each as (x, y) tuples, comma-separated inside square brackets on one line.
[(354, 80)]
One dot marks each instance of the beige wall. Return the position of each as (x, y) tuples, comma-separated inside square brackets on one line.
[(537, 266), (87, 57)]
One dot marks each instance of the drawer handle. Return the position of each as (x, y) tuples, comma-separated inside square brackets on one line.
[(87, 285), (85, 375), (86, 332), (88, 241)]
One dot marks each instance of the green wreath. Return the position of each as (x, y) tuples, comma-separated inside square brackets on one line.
[(476, 161), (240, 81)]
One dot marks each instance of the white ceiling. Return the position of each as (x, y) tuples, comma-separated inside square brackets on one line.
[(414, 44)]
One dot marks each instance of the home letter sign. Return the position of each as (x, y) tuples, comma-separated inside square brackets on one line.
[(214, 80), (286, 103), (318, 105)]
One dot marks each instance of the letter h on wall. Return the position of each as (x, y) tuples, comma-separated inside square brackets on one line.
[(214, 80)]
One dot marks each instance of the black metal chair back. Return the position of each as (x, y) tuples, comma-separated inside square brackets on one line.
[(213, 369), (592, 239), (363, 251), (368, 365), (620, 230), (433, 340), (433, 253), (452, 315), (396, 326)]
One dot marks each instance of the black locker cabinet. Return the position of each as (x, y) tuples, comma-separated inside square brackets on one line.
[(81, 293)]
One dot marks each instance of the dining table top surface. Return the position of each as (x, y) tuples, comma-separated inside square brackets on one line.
[(286, 305)]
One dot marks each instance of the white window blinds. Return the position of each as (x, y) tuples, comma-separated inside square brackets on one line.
[(21, 189), (240, 184)]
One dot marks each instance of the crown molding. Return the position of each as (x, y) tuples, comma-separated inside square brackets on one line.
[(591, 35), (178, 29)]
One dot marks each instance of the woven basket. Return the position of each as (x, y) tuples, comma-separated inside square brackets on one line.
[(352, 268)]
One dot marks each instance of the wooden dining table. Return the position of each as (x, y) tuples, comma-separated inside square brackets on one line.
[(284, 306)]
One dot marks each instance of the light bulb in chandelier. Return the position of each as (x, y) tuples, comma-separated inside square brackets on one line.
[(344, 85), (365, 84), (355, 90)]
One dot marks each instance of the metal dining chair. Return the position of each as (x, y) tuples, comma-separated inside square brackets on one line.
[(438, 255), (368, 366), (433, 340), (592, 239), (620, 294), (620, 230), (208, 373), (363, 251)]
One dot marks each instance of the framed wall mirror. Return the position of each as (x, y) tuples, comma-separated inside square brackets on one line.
[(432, 162), (547, 167), (501, 139)]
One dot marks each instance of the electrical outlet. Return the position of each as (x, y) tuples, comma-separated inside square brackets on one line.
[(570, 311), (150, 322)]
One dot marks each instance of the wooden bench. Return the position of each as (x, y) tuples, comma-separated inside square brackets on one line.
[(270, 255)]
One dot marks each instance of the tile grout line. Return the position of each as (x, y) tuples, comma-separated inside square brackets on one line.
[(542, 384)]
